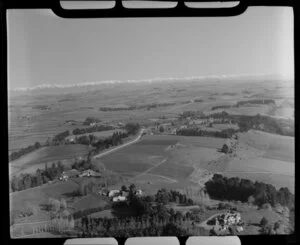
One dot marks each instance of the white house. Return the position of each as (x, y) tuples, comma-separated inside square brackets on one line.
[(112, 193), (69, 174), (139, 192), (119, 199), (239, 228)]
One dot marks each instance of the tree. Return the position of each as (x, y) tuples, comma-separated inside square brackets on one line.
[(132, 189), (267, 230), (225, 148), (39, 178), (251, 200), (276, 225), (132, 128), (54, 204), (124, 188), (263, 222), (63, 204), (212, 232), (27, 181), (232, 231), (14, 183), (173, 230), (161, 129)]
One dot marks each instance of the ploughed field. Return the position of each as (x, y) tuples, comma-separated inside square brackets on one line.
[(159, 155)]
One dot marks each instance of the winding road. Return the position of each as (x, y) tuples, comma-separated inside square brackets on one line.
[(121, 146)]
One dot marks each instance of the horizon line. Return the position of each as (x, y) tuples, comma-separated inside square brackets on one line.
[(148, 80)]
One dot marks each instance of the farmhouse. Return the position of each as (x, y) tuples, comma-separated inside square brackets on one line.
[(120, 124), (139, 192), (239, 229), (223, 221), (71, 139), (119, 199), (69, 174), (90, 173), (112, 193)]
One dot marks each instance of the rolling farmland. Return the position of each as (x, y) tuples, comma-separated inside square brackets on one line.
[(48, 154)]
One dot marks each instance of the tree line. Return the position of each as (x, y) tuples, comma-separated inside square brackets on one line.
[(96, 128), (164, 196), (15, 155), (39, 177), (115, 139), (225, 133), (60, 137), (245, 190), (220, 107), (255, 101), (136, 107)]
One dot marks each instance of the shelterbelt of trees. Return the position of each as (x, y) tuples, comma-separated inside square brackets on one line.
[(136, 107), (15, 155), (225, 133), (245, 102), (245, 190), (96, 128)]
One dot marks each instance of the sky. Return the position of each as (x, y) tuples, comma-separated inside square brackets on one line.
[(46, 49)]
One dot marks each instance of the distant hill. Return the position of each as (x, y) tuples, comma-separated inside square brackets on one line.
[(91, 86)]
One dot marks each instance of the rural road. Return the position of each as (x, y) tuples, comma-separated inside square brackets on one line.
[(121, 146)]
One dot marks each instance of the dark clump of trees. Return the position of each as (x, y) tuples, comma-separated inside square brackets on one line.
[(134, 205), (85, 212), (225, 133), (60, 137), (86, 139), (164, 196), (23, 151), (132, 128), (41, 107), (255, 101), (224, 188), (220, 107), (191, 114), (114, 140), (40, 177), (136, 107), (96, 128), (82, 165)]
